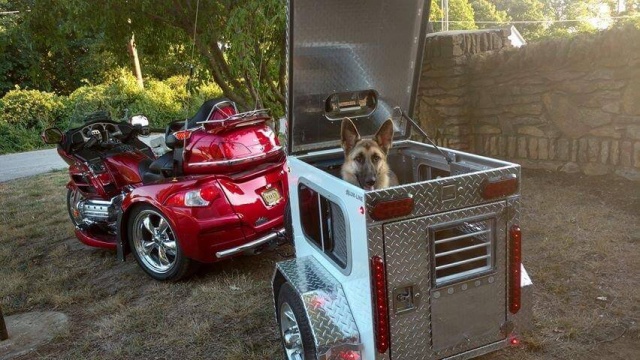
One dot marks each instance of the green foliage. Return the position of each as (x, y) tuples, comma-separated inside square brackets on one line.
[(18, 138), (42, 48), (24, 114), (30, 108), (484, 10), (526, 10), (461, 15)]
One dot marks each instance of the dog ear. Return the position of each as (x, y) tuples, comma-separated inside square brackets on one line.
[(349, 135), (384, 136)]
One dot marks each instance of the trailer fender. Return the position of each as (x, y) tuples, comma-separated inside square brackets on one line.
[(325, 303)]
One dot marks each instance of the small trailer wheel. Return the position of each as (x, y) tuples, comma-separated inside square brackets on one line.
[(297, 338)]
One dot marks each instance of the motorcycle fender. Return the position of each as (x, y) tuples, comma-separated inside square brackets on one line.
[(122, 243)]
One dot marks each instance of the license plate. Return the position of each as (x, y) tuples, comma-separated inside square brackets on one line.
[(271, 196)]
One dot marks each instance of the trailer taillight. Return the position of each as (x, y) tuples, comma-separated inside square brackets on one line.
[(348, 355), (381, 308), (391, 209), (515, 255), (514, 341), (499, 187)]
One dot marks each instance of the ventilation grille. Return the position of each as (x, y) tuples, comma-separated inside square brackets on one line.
[(463, 250)]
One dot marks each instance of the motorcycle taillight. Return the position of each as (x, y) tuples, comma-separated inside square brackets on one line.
[(194, 198)]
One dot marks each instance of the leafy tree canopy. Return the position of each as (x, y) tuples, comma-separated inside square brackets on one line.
[(60, 45), (238, 44)]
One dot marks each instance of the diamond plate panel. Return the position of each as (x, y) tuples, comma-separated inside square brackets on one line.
[(407, 249), (408, 264), (339, 46), (325, 303), (428, 195)]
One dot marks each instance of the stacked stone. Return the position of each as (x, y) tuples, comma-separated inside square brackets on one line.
[(570, 105), (442, 108)]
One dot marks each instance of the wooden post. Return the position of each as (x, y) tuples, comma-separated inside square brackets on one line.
[(136, 62), (4, 335)]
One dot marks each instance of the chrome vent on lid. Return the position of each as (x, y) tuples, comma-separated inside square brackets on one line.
[(462, 250)]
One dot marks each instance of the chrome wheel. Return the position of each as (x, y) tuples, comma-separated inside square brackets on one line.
[(298, 342), (154, 242), (73, 199), (290, 333)]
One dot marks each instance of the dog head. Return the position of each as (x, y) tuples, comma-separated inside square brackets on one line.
[(365, 163)]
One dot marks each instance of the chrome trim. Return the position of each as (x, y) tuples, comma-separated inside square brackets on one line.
[(480, 350), (238, 116), (253, 244), (237, 161)]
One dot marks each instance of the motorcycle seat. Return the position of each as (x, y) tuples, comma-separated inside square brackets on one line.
[(160, 168), (205, 112)]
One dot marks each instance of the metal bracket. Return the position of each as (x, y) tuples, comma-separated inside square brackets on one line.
[(405, 299)]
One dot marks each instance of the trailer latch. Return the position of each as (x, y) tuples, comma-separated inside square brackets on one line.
[(405, 298)]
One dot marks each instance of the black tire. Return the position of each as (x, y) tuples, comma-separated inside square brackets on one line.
[(288, 299), (159, 255), (288, 224)]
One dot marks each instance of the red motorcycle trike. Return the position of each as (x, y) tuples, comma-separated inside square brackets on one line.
[(221, 190)]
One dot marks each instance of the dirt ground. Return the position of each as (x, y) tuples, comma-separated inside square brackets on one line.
[(581, 247)]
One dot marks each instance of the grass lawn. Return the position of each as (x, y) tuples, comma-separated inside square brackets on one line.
[(581, 248)]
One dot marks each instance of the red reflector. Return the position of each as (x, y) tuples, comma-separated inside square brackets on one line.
[(176, 200), (349, 355), (182, 135), (209, 193), (499, 187), (514, 341), (515, 255), (381, 307), (391, 209)]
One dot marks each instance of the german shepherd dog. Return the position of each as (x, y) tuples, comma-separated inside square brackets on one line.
[(365, 160)]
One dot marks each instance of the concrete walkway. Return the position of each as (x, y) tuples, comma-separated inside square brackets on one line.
[(19, 165), (15, 166)]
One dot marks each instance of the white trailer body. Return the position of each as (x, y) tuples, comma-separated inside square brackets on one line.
[(429, 269)]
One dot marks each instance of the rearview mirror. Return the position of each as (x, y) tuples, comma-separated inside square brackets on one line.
[(52, 136), (139, 120)]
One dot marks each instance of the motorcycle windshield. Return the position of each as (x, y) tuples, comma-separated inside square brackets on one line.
[(79, 120)]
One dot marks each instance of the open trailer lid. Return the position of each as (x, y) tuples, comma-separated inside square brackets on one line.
[(356, 59)]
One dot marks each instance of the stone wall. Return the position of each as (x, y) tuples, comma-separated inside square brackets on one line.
[(569, 104)]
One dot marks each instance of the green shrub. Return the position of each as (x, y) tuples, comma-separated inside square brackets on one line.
[(30, 108), (24, 114), (161, 102), (84, 100), (17, 138)]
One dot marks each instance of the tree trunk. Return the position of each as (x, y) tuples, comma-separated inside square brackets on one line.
[(136, 62)]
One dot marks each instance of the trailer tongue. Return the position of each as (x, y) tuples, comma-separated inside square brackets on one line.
[(429, 269)]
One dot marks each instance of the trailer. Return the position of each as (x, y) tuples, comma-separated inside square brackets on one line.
[(429, 269)]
